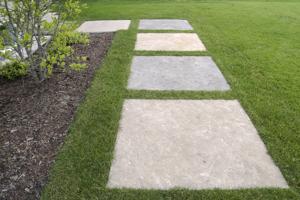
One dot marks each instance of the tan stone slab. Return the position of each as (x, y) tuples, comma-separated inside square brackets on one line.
[(102, 26), (194, 144), (169, 42)]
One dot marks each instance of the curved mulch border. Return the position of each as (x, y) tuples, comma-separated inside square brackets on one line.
[(35, 118)]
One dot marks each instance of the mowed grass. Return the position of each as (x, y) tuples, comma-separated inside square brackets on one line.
[(257, 47)]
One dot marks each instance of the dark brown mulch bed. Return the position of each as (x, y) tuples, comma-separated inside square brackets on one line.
[(35, 118)]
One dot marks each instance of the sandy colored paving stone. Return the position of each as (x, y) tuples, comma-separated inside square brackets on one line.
[(176, 73), (169, 42), (195, 144), (164, 24), (104, 26)]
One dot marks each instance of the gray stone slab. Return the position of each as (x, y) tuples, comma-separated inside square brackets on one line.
[(176, 73), (164, 24), (194, 144), (104, 26), (169, 42)]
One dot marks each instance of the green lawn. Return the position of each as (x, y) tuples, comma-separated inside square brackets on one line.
[(257, 47)]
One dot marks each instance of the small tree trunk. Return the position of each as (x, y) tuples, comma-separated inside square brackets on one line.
[(38, 73)]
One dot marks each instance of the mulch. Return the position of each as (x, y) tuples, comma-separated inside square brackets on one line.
[(35, 118)]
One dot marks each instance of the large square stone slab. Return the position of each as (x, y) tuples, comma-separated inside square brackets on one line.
[(164, 24), (104, 26), (195, 144), (176, 73), (169, 42)]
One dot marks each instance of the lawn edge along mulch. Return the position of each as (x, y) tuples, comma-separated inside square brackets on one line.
[(35, 118)]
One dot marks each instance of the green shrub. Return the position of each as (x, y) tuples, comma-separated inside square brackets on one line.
[(2, 27), (60, 49), (33, 30), (13, 70), (73, 37)]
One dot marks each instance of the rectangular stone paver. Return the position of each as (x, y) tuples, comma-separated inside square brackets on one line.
[(176, 73), (104, 26), (164, 24), (169, 42), (195, 144)]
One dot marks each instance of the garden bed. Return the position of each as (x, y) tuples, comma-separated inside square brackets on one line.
[(35, 118)]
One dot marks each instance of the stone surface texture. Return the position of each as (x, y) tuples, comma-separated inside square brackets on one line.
[(104, 26), (195, 144), (169, 42), (164, 24), (176, 73)]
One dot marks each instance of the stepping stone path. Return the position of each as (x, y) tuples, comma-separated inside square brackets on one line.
[(176, 73), (104, 26), (164, 24), (193, 144), (169, 42)]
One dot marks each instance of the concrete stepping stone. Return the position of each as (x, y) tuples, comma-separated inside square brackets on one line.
[(164, 24), (169, 42), (194, 144), (104, 26), (176, 73)]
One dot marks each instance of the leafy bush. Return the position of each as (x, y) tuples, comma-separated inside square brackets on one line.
[(26, 27), (60, 49), (77, 38), (13, 70), (2, 27)]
